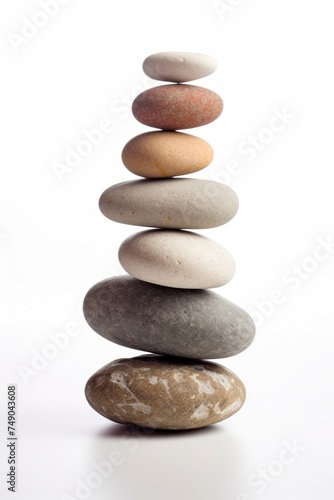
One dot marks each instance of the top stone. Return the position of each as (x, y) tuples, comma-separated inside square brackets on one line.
[(179, 67)]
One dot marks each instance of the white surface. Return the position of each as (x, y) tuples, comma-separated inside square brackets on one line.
[(81, 68)]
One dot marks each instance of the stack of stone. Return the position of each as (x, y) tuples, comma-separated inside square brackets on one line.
[(164, 305)]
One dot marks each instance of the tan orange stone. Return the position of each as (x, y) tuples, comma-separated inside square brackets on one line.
[(166, 154)]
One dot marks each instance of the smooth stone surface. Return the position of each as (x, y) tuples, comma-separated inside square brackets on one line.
[(162, 154), (197, 324), (177, 107), (165, 393), (179, 66), (170, 203), (180, 259)]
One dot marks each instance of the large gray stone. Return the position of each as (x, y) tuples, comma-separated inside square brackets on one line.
[(165, 393), (171, 321)]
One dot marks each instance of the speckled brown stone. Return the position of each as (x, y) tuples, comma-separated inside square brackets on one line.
[(177, 107), (166, 153), (165, 393), (170, 203)]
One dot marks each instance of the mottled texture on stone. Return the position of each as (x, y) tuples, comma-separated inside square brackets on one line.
[(197, 324), (170, 203), (179, 66), (177, 107), (165, 393), (166, 153)]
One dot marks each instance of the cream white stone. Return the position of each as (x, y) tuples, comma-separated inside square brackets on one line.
[(179, 67), (179, 259)]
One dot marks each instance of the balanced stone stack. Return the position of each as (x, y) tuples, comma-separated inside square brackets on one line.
[(164, 304)]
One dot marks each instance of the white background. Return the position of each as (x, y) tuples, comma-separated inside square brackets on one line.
[(84, 67)]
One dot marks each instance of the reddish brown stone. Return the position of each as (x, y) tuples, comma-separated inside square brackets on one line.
[(176, 107)]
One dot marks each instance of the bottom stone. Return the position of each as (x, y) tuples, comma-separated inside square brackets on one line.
[(165, 393)]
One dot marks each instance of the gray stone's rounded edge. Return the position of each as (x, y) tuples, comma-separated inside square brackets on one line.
[(187, 323)]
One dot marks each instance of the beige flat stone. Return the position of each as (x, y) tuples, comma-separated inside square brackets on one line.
[(170, 203)]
